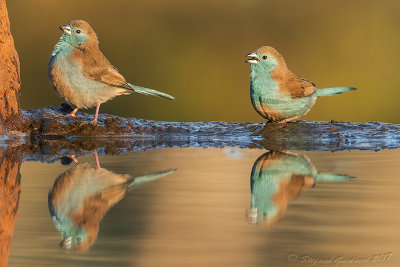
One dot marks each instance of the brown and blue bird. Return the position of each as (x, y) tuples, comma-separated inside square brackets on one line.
[(277, 94), (82, 75)]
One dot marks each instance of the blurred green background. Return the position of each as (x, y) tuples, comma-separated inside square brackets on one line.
[(195, 50)]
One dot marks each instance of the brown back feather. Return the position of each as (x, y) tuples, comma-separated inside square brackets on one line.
[(95, 65), (288, 82), (297, 87)]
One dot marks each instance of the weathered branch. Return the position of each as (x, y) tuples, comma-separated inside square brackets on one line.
[(129, 134)]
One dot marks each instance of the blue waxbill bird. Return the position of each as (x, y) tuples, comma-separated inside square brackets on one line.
[(82, 75), (277, 178), (277, 94)]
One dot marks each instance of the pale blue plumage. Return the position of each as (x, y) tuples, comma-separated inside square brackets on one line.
[(78, 89), (264, 89), (278, 94), (333, 91), (82, 75)]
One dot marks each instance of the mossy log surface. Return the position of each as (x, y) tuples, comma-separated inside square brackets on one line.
[(47, 134)]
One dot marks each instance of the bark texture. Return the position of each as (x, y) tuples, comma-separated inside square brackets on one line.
[(129, 134), (10, 82)]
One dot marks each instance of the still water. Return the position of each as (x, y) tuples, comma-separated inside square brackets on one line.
[(210, 207)]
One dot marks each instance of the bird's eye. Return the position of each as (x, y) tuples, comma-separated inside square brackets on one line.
[(78, 31), (264, 57)]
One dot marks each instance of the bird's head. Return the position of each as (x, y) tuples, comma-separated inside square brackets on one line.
[(74, 235), (74, 239), (264, 60), (77, 33)]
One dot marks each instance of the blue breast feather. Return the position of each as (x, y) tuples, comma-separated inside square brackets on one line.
[(266, 90)]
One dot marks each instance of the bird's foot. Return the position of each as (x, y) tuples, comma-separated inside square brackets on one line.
[(93, 122), (73, 115), (66, 160), (74, 159), (275, 124), (288, 119)]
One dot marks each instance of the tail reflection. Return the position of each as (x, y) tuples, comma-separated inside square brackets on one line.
[(82, 195), (276, 179)]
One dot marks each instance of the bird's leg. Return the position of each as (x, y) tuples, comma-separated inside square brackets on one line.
[(72, 114), (290, 153), (94, 121), (289, 119), (96, 157)]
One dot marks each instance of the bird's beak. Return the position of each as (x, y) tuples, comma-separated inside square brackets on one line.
[(253, 58), (66, 243), (66, 28), (252, 216)]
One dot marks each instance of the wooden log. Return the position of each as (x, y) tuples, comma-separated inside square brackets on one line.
[(129, 134)]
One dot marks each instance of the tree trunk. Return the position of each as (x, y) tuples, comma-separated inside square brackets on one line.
[(10, 83)]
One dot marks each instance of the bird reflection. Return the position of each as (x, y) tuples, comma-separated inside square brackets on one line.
[(276, 179), (82, 195)]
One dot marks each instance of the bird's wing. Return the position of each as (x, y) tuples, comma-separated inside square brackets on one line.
[(95, 66), (298, 87)]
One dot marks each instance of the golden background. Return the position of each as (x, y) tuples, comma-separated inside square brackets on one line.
[(195, 50)]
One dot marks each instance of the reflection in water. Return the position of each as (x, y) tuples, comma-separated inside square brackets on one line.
[(82, 195), (276, 179), (10, 189)]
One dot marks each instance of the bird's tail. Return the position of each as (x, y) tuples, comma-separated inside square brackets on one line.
[(150, 177), (332, 177), (147, 91), (333, 91)]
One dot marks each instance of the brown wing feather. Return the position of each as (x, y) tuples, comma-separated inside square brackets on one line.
[(97, 67), (298, 87), (292, 85)]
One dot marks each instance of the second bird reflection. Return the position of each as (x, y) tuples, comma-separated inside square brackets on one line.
[(276, 179), (82, 195)]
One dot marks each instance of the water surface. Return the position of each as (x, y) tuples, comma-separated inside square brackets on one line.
[(220, 207)]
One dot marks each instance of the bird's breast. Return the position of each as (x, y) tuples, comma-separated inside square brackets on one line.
[(272, 103), (66, 75)]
